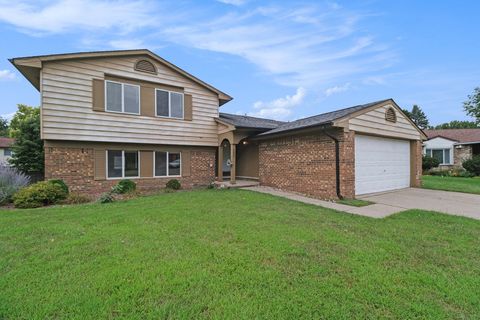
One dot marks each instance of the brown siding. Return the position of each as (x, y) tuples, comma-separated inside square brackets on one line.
[(79, 166), (146, 164), (187, 114), (247, 160), (306, 164), (147, 101), (186, 163), (98, 95)]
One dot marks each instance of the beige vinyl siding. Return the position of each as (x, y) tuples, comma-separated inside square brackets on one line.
[(373, 122), (67, 112)]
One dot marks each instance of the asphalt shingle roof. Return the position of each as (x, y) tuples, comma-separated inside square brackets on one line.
[(241, 121), (459, 135), (324, 118), (6, 142)]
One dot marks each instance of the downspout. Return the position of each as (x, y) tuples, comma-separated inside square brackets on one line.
[(337, 163)]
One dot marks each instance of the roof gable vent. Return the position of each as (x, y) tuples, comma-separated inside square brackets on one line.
[(145, 66), (390, 115)]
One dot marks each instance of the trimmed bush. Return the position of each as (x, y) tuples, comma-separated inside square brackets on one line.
[(173, 184), (11, 180), (124, 186), (106, 197), (429, 163), (39, 194), (60, 183), (75, 198), (472, 165)]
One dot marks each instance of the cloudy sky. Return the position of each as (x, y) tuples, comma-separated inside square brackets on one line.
[(278, 59)]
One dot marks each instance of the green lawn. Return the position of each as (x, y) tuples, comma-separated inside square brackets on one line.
[(468, 185), (355, 202), (234, 254)]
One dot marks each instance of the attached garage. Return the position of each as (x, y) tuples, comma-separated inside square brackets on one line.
[(381, 164)]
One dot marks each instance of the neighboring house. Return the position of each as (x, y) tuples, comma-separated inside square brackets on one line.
[(5, 150), (131, 114), (452, 146)]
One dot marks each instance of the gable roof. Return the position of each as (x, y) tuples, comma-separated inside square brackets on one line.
[(321, 119), (241, 121), (458, 135), (6, 142), (30, 66)]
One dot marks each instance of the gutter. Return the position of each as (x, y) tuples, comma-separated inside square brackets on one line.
[(337, 163)]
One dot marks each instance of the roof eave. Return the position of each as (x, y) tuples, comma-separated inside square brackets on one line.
[(267, 135)]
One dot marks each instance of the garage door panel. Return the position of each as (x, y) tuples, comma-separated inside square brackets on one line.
[(381, 164)]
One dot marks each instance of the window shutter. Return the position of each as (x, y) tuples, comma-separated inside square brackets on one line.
[(98, 95), (146, 164), (186, 163), (147, 101), (100, 164), (187, 112)]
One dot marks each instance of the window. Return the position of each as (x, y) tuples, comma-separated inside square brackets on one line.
[(122, 164), (167, 164), (169, 104), (442, 155), (122, 97), (7, 152)]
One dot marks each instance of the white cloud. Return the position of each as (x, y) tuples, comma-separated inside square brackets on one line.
[(280, 108), (73, 15), (6, 75), (233, 2), (337, 89)]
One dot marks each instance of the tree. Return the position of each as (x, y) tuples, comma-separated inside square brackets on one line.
[(3, 127), (27, 149), (472, 105), (457, 124), (419, 117), (407, 113), (22, 113)]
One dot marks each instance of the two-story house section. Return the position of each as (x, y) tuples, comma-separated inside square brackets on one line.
[(124, 114)]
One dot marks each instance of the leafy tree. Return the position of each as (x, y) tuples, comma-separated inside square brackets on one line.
[(22, 113), (419, 117), (407, 113), (27, 149), (457, 124), (3, 127), (472, 105)]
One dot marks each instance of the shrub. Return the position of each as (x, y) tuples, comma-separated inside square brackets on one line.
[(173, 184), (456, 172), (106, 197), (11, 180), (124, 186), (429, 163), (60, 183), (39, 194), (75, 198), (472, 165)]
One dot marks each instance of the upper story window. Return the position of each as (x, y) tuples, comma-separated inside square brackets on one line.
[(122, 97), (169, 104)]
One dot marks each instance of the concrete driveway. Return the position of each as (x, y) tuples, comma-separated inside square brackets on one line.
[(455, 203)]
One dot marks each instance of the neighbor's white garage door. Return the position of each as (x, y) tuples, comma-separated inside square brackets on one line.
[(381, 164)]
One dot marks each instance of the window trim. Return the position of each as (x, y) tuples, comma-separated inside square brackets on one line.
[(170, 104), (123, 165), (168, 169), (123, 97), (443, 163)]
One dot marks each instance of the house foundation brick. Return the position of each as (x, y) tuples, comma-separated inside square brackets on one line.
[(75, 166), (306, 164)]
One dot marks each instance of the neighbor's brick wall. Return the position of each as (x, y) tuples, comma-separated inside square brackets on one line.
[(460, 155), (306, 164), (76, 167)]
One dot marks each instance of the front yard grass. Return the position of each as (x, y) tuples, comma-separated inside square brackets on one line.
[(467, 185), (235, 254), (355, 202)]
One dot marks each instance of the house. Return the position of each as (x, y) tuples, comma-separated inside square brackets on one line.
[(131, 114), (5, 150), (452, 146)]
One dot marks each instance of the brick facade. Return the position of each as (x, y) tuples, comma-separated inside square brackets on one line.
[(75, 166), (416, 164), (461, 154), (306, 164)]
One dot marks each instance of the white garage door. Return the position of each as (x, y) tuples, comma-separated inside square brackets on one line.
[(381, 164)]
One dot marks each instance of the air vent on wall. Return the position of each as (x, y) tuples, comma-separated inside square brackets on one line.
[(145, 66), (390, 115)]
